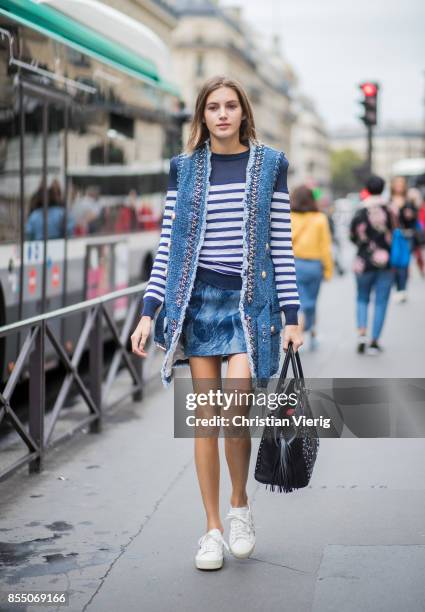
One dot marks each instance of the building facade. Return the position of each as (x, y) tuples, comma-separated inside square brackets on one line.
[(310, 159), (209, 40)]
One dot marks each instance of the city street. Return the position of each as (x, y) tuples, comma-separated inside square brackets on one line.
[(152, 152), (114, 521)]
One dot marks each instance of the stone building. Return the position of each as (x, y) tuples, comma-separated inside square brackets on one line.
[(210, 40), (310, 145)]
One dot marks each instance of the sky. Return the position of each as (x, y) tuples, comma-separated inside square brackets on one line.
[(334, 45)]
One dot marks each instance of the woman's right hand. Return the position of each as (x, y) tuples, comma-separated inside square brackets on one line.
[(140, 335)]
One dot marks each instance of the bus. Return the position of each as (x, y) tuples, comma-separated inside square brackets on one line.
[(87, 129)]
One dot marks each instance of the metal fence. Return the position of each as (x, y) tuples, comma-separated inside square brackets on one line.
[(38, 436)]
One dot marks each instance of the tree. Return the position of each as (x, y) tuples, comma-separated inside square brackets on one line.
[(345, 164)]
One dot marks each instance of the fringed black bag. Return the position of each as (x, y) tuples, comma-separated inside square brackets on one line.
[(287, 454)]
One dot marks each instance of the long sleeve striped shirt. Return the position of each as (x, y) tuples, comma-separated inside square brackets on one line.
[(221, 252)]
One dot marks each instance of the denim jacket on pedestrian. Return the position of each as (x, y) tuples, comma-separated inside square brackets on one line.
[(259, 305)]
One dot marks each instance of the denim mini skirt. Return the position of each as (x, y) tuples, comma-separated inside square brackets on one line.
[(212, 324)]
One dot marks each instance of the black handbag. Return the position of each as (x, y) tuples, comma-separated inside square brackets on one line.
[(287, 454)]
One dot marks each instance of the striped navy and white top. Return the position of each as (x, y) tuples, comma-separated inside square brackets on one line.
[(221, 251)]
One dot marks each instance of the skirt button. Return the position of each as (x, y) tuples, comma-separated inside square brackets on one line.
[(264, 274), (267, 246)]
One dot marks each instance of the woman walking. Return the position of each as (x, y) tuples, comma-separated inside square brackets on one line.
[(223, 274), (405, 217), (371, 231), (312, 242)]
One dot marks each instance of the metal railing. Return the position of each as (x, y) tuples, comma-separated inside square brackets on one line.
[(39, 436)]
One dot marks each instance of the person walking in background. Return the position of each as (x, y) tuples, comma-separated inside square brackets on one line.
[(371, 231), (405, 218), (414, 195), (312, 246)]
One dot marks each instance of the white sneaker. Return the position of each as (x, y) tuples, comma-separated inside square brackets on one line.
[(242, 532), (400, 296), (210, 554)]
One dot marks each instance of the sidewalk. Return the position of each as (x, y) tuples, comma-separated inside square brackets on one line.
[(114, 520)]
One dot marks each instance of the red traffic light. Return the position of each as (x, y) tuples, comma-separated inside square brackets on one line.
[(370, 90)]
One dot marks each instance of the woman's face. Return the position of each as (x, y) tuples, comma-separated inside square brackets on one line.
[(223, 113), (399, 186)]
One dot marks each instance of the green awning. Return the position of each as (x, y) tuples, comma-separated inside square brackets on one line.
[(70, 32)]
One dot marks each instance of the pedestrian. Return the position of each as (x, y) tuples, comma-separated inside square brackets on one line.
[(405, 217), (312, 245), (371, 231), (415, 196), (222, 277)]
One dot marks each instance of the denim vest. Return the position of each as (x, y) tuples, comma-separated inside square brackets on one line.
[(259, 305)]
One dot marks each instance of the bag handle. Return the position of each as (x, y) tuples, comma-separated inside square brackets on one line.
[(295, 360), (300, 368)]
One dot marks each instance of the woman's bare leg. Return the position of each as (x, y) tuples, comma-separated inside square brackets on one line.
[(206, 448), (238, 449)]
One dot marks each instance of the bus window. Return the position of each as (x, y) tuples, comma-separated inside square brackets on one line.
[(86, 210), (34, 226), (9, 160)]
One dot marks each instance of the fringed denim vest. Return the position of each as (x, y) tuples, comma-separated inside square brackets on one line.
[(259, 304)]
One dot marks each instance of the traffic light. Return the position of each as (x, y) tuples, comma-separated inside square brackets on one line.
[(370, 99)]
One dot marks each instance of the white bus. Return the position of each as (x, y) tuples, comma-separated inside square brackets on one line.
[(89, 125)]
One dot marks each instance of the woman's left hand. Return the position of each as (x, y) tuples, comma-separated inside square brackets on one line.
[(292, 333)]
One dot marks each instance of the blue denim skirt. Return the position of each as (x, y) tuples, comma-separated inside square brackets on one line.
[(212, 324)]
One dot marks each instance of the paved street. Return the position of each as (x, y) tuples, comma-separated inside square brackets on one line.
[(115, 520)]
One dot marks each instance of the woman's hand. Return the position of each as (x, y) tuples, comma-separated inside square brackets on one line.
[(140, 335), (292, 333)]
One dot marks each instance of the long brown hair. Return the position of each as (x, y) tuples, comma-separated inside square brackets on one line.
[(393, 181), (199, 131), (302, 200)]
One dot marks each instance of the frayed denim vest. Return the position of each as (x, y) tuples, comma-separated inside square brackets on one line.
[(259, 305)]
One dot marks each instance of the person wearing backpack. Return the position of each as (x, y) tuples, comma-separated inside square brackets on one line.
[(371, 230)]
